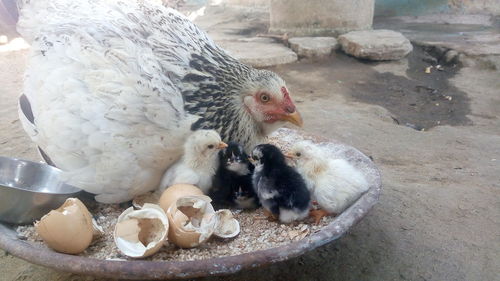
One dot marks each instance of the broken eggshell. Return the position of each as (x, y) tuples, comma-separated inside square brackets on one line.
[(141, 233), (227, 226), (97, 231), (192, 221), (68, 229), (176, 191)]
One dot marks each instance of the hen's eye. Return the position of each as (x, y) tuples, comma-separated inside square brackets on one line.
[(211, 146), (298, 154), (255, 158), (264, 98)]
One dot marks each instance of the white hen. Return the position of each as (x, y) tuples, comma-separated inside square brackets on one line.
[(113, 88), (199, 162), (99, 112), (334, 183)]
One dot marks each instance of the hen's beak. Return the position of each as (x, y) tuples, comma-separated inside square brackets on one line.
[(293, 118), (222, 145)]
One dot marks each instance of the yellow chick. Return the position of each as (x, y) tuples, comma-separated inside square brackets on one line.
[(199, 162), (334, 183)]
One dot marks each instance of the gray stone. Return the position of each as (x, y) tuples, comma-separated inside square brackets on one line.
[(259, 53), (229, 26), (309, 47), (376, 44), (320, 17)]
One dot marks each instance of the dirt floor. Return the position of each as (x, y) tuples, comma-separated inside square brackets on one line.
[(439, 214)]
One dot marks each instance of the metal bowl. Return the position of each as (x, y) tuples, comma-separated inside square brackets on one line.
[(29, 190)]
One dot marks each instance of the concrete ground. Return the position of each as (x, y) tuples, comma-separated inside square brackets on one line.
[(439, 214)]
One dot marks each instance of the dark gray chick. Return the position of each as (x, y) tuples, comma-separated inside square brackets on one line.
[(232, 183), (281, 190)]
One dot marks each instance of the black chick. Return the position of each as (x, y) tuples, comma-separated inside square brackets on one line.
[(281, 190), (232, 183)]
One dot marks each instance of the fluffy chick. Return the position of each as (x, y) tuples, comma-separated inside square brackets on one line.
[(199, 162), (233, 179), (281, 190), (334, 183)]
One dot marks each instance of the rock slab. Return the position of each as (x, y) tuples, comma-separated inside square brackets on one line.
[(259, 53), (313, 47), (320, 17), (376, 45)]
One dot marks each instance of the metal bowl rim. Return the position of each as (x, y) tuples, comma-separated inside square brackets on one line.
[(68, 189)]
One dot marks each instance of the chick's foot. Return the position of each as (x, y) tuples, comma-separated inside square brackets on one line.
[(267, 216), (318, 215)]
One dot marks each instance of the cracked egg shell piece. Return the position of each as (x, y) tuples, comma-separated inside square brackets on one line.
[(176, 191), (141, 233), (227, 225), (192, 221), (68, 229)]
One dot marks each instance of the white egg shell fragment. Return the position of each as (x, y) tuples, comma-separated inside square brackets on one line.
[(68, 229), (227, 226), (192, 221), (141, 233), (97, 230)]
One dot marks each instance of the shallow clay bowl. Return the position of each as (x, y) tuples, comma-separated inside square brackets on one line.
[(138, 269)]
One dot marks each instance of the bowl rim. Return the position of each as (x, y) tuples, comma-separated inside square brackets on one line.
[(68, 188), (143, 269)]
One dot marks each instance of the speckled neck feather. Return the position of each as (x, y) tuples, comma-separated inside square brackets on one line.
[(214, 90)]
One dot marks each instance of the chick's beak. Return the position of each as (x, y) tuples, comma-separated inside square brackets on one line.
[(293, 118), (290, 156), (222, 145), (252, 160)]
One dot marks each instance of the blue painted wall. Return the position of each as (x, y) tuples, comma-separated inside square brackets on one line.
[(409, 7)]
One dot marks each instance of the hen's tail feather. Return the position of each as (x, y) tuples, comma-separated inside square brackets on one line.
[(25, 106), (46, 158)]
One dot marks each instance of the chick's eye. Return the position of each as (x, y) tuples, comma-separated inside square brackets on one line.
[(298, 154), (211, 146), (264, 98)]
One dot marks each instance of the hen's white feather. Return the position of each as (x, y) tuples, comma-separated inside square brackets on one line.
[(102, 85)]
